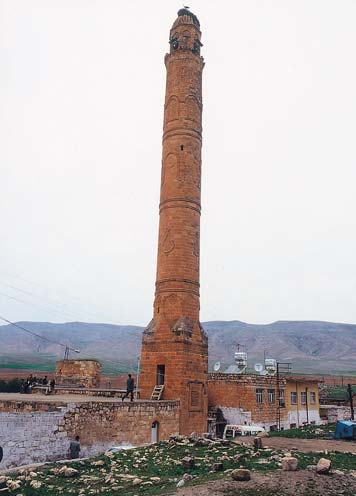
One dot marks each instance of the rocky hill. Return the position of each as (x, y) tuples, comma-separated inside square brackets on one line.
[(311, 346)]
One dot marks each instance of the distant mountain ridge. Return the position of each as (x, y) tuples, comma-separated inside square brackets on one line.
[(311, 346)]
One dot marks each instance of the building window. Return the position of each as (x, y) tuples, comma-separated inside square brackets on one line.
[(259, 396), (293, 426), (312, 397), (293, 397), (303, 397), (271, 396), (282, 402)]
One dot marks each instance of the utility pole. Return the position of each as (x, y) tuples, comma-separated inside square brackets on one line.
[(306, 404), (349, 390)]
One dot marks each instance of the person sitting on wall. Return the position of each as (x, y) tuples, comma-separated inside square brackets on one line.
[(130, 386), (74, 448)]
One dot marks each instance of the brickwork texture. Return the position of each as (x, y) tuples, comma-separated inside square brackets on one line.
[(174, 345), (85, 373)]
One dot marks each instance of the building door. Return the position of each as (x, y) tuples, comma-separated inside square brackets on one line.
[(154, 432)]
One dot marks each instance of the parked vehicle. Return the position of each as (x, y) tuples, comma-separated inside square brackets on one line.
[(232, 431)]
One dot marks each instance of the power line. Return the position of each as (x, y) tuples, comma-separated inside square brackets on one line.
[(37, 335), (55, 301), (117, 363)]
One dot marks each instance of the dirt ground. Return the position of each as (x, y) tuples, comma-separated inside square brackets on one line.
[(278, 483), (305, 445)]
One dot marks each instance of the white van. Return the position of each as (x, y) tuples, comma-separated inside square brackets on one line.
[(232, 431)]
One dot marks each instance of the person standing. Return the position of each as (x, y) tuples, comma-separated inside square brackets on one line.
[(74, 448), (130, 386)]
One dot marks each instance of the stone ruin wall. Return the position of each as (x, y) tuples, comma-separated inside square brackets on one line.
[(33, 432), (85, 373)]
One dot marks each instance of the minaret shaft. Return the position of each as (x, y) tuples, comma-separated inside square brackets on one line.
[(174, 346)]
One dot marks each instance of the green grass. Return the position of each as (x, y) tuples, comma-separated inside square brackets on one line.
[(163, 460), (307, 432)]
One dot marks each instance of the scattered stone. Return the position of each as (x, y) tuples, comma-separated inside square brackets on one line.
[(188, 462), (323, 466), (68, 471), (136, 481), (187, 477), (180, 483), (217, 467), (99, 463), (241, 474), (338, 472), (13, 485), (35, 484), (289, 463), (239, 459)]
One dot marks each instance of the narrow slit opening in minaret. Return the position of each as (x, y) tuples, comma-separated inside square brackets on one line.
[(182, 147), (160, 375)]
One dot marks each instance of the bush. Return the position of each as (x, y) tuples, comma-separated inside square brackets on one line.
[(11, 386)]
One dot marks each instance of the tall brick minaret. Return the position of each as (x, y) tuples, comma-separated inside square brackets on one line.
[(174, 345)]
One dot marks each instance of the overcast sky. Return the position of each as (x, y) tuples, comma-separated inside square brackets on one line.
[(81, 111)]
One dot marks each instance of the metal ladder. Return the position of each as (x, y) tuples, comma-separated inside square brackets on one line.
[(157, 393)]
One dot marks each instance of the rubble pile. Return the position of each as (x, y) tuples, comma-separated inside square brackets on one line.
[(168, 466)]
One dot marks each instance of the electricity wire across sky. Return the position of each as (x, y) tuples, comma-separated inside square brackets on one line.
[(53, 306)]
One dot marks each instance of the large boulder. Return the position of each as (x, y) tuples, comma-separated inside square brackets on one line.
[(289, 463), (323, 466), (241, 474)]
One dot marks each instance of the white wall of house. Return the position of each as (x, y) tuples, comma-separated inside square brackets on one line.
[(299, 417)]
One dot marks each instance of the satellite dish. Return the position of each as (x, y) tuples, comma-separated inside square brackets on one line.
[(258, 367), (217, 366)]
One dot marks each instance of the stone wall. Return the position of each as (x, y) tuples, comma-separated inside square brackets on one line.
[(78, 372), (333, 413), (35, 432)]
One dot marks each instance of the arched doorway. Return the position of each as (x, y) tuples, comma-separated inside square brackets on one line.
[(154, 432)]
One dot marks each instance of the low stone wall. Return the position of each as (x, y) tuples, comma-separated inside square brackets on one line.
[(333, 413), (33, 432)]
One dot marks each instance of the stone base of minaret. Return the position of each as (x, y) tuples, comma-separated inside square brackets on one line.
[(181, 366)]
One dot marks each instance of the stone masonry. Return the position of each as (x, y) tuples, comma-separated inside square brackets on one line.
[(84, 373), (174, 345), (32, 432)]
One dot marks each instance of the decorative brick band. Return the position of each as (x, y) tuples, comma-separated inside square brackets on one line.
[(177, 279), (181, 131), (190, 200)]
